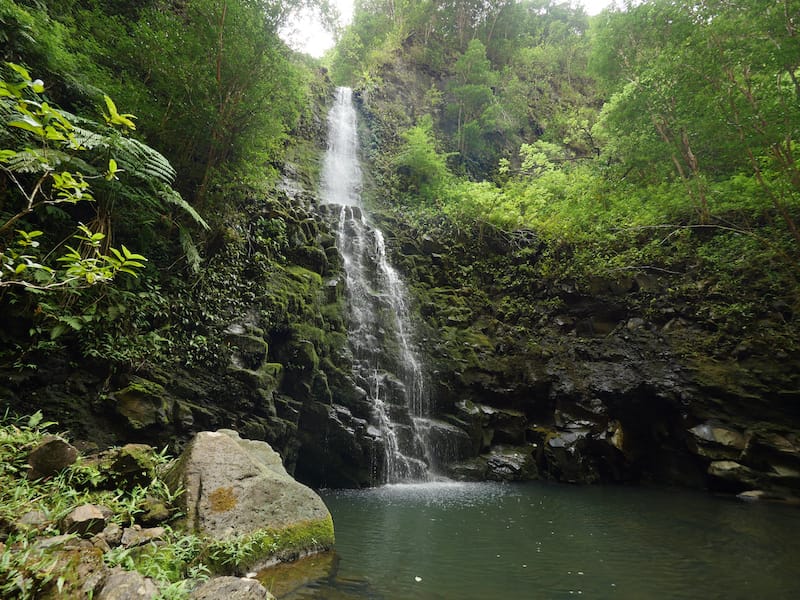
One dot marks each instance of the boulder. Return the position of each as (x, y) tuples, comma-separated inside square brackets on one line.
[(511, 464), (231, 588), (236, 487), (129, 466), (50, 456), (445, 442), (32, 520), (502, 463), (735, 474), (143, 404), (127, 585)]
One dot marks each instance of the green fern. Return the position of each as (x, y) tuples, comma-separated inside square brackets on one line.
[(170, 196), (189, 249)]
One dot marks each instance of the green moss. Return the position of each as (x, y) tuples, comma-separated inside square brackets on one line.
[(305, 276), (271, 545)]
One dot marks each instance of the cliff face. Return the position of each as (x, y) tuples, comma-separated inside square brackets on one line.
[(598, 379), (255, 341), (541, 368)]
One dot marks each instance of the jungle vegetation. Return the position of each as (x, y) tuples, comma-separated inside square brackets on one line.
[(660, 136)]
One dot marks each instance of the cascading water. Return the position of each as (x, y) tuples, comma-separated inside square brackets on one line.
[(380, 331)]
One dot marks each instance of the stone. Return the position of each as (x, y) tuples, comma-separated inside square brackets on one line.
[(717, 442), (127, 585), (87, 519), (51, 456), (137, 536), (80, 572), (235, 487), (143, 404), (247, 350), (231, 588), (511, 464), (445, 442), (752, 495), (33, 519), (154, 511), (54, 542), (430, 246), (130, 465), (112, 534), (469, 470), (734, 472)]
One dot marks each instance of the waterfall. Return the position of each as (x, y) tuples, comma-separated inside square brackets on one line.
[(380, 331)]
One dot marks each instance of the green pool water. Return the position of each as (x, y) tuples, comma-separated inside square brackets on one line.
[(486, 541)]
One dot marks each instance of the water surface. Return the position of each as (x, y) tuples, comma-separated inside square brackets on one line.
[(485, 541)]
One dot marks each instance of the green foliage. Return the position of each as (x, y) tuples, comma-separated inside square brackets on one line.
[(709, 90), (47, 140), (27, 570), (422, 168)]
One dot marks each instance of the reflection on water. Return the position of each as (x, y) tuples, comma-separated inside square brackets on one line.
[(459, 540)]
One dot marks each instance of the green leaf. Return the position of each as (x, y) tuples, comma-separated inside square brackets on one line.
[(28, 123), (112, 170), (57, 331), (115, 118), (21, 71), (75, 322)]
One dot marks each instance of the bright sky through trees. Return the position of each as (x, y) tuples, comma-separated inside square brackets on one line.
[(307, 34)]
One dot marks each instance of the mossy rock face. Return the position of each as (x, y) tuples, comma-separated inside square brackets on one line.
[(312, 258), (144, 404)]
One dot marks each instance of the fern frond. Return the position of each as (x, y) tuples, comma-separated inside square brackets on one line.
[(189, 249), (170, 196), (29, 160), (143, 161)]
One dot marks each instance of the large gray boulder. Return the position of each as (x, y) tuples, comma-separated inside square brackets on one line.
[(235, 487)]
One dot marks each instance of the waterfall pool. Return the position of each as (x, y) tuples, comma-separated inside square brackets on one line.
[(466, 541)]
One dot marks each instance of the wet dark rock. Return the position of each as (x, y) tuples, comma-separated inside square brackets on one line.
[(340, 450), (735, 474), (446, 443), (503, 463), (511, 464), (717, 442)]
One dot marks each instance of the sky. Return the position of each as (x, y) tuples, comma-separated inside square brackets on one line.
[(308, 35)]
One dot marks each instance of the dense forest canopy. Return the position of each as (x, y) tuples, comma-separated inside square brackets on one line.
[(523, 92)]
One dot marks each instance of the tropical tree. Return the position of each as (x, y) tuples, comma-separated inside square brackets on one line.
[(52, 160)]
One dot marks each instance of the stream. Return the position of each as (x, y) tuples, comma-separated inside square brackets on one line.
[(537, 540)]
